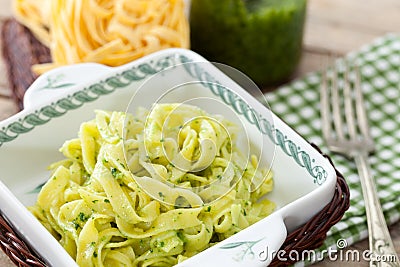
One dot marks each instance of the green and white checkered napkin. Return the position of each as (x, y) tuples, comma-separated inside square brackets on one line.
[(298, 105)]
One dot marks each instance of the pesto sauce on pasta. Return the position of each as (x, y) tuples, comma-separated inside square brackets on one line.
[(96, 202)]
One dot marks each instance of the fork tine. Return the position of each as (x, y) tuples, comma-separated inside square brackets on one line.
[(360, 106), (348, 104), (337, 118), (357, 143), (325, 110)]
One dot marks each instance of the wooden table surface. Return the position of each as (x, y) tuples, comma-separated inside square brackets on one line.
[(333, 27)]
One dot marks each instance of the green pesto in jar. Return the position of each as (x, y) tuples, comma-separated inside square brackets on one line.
[(261, 38)]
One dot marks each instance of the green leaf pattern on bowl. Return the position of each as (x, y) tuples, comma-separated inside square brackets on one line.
[(145, 70), (263, 125), (247, 249), (55, 82)]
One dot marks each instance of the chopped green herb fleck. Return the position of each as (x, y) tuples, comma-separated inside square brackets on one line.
[(82, 217), (106, 200), (114, 172), (76, 225)]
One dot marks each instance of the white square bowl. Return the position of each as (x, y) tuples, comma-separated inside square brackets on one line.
[(60, 100)]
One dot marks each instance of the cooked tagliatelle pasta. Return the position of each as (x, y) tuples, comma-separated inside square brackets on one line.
[(135, 190), (111, 32)]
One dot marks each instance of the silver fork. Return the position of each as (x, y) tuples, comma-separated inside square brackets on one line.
[(348, 134)]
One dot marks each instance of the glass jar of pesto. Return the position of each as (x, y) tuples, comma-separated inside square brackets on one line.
[(261, 38)]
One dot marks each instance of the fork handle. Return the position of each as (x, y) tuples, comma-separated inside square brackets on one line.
[(380, 242)]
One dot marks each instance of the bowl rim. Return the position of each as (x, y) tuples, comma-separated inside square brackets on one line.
[(330, 180)]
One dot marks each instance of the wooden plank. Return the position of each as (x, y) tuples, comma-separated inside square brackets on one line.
[(364, 15), (332, 27), (6, 8), (312, 61), (5, 261), (341, 26), (5, 91), (334, 39), (8, 108)]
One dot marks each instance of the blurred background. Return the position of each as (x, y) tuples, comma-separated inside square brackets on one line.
[(332, 28)]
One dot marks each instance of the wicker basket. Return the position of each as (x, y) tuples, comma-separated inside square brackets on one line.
[(21, 50), (309, 236)]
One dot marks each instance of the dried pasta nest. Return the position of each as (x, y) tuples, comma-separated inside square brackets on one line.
[(111, 32)]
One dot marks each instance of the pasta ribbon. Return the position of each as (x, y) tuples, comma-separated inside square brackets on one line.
[(118, 200), (111, 32)]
